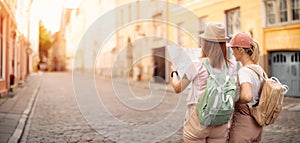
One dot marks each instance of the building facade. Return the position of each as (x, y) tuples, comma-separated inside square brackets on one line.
[(146, 29), (57, 60), (14, 44), (281, 36), (84, 34), (143, 30), (273, 23), (140, 51)]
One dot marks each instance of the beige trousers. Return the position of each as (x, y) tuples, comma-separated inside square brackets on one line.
[(193, 132)]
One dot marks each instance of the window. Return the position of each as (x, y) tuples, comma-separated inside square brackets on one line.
[(279, 12), (137, 10), (180, 1), (158, 27), (122, 20), (271, 12), (1, 50), (233, 23), (283, 11), (296, 57), (296, 9), (129, 13), (279, 58), (1, 58), (180, 34)]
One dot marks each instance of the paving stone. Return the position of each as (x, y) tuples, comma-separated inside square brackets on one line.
[(56, 116), (4, 137)]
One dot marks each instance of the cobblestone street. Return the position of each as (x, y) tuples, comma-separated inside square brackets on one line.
[(108, 71), (287, 126), (58, 114), (55, 116)]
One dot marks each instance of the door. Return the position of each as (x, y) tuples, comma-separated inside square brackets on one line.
[(159, 73), (286, 67)]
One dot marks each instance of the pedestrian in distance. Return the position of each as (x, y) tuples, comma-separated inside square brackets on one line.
[(214, 50), (244, 128)]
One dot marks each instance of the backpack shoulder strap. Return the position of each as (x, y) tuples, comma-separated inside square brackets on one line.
[(263, 75), (207, 65)]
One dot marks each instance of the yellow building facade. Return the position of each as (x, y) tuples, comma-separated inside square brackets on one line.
[(236, 15), (286, 37), (275, 24)]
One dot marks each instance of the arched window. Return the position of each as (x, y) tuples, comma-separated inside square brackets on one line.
[(279, 58), (296, 57)]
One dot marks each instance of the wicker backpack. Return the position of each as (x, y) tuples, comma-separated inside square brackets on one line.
[(270, 102)]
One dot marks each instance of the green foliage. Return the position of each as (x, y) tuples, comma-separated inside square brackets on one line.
[(45, 40)]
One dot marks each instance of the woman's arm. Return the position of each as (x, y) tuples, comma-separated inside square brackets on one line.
[(179, 85), (246, 93)]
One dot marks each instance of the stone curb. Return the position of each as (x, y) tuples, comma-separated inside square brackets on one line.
[(24, 118)]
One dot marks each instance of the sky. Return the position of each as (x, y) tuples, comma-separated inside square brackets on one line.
[(50, 11)]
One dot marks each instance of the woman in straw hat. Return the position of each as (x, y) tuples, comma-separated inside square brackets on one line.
[(213, 44), (244, 128)]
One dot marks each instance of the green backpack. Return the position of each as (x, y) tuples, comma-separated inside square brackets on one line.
[(217, 103)]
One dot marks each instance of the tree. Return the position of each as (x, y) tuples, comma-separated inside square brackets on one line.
[(45, 41)]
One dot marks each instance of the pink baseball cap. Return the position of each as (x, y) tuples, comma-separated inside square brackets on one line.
[(241, 40)]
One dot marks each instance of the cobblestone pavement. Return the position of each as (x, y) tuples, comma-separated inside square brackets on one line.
[(57, 118), (287, 126), (15, 107), (59, 115)]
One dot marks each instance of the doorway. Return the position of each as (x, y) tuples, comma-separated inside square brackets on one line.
[(159, 64), (286, 67)]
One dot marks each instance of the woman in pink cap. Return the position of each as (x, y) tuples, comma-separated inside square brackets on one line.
[(244, 128), (214, 50)]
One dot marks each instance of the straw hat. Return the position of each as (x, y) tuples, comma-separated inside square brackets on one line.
[(214, 32), (241, 40)]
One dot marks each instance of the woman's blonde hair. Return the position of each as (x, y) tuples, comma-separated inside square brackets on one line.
[(253, 52)]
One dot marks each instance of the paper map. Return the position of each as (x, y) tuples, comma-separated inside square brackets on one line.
[(182, 57)]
